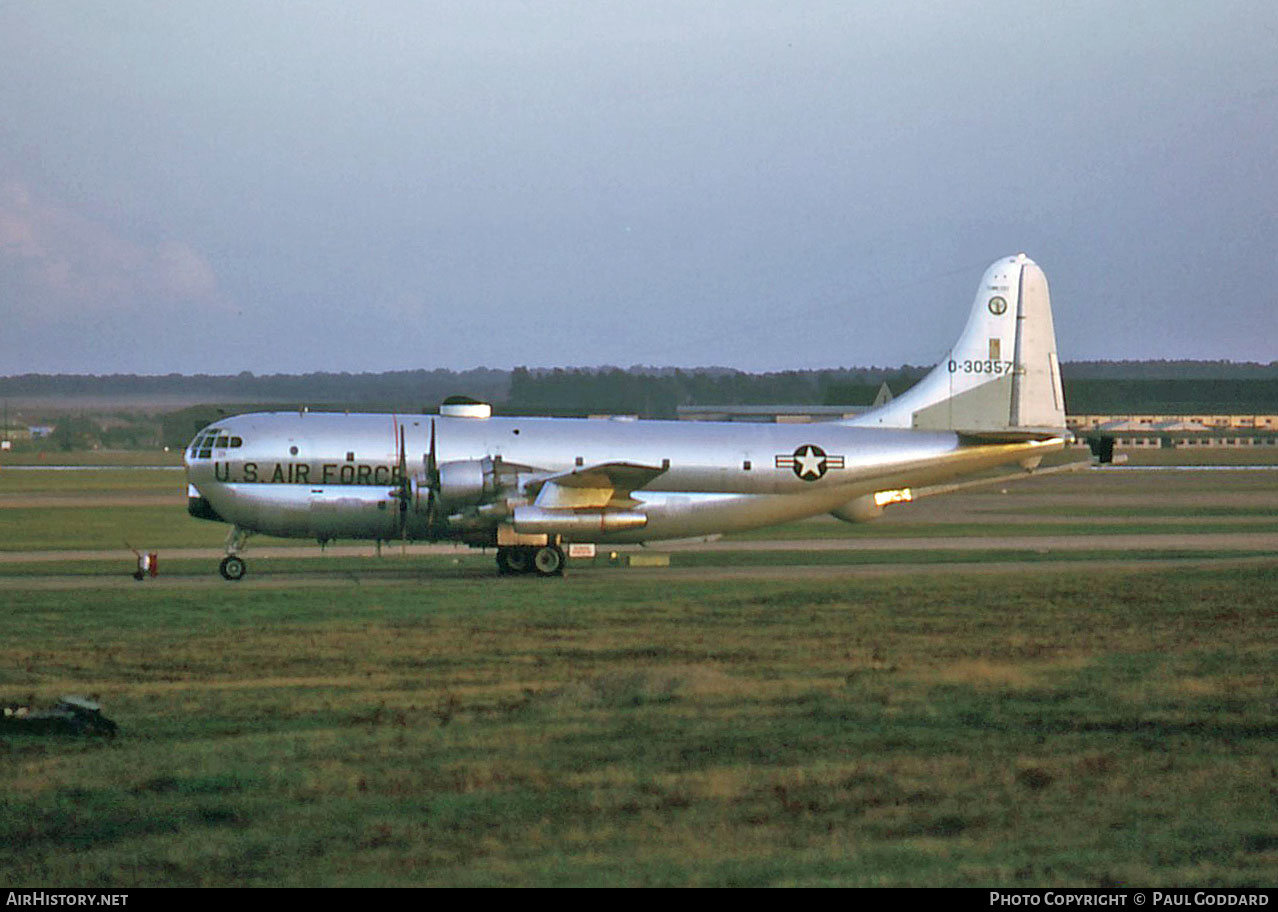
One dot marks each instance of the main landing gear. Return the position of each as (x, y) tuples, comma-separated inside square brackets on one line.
[(233, 567), (547, 560)]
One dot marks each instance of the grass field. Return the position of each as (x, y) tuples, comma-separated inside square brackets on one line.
[(49, 528), (1112, 729), (942, 717), (90, 482), (34, 457)]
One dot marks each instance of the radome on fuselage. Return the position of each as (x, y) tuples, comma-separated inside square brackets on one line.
[(527, 485)]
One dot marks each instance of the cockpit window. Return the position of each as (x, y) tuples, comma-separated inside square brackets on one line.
[(202, 445), (205, 441)]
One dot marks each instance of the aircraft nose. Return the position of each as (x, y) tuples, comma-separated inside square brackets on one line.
[(210, 441)]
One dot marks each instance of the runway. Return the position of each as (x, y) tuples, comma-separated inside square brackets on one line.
[(1220, 550), (1177, 541)]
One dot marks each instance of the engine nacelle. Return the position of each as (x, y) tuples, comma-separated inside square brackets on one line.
[(465, 483)]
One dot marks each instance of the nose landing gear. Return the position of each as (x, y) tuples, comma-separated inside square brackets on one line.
[(233, 567)]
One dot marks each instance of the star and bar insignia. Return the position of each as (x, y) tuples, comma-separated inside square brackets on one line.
[(809, 462)]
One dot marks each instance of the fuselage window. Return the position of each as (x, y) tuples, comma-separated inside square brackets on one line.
[(237, 441)]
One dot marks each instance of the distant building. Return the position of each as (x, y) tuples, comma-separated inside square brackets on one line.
[(1174, 431), (1205, 422), (778, 414)]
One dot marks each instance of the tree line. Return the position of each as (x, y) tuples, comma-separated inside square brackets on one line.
[(1090, 388)]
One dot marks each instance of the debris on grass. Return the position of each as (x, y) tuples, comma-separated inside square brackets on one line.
[(69, 716)]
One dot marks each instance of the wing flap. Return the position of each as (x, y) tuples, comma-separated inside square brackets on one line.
[(593, 487)]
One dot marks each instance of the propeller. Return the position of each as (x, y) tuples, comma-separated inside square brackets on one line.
[(432, 480), (404, 492), (404, 489)]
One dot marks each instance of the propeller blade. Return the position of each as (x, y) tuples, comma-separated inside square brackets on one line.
[(403, 474), (405, 491), (432, 479), (432, 467)]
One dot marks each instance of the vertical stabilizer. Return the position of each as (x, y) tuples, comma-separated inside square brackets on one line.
[(1001, 375)]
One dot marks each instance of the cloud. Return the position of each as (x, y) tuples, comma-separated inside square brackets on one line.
[(64, 257)]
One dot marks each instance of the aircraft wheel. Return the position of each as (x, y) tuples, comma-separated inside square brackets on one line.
[(513, 560), (232, 568), (549, 561)]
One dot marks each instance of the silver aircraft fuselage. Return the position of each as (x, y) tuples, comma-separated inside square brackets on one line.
[(332, 475), (528, 485)]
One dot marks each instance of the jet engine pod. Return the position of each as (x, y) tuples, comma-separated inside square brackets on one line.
[(870, 506), (859, 510), (533, 520)]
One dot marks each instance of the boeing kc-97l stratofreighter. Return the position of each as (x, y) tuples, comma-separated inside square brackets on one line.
[(527, 486)]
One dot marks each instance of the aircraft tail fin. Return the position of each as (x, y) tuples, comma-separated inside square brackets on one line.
[(1002, 376)]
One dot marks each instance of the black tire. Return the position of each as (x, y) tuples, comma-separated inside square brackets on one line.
[(232, 568), (513, 560), (549, 561)]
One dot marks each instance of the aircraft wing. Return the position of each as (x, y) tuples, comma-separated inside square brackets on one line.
[(1014, 435), (932, 490), (596, 486)]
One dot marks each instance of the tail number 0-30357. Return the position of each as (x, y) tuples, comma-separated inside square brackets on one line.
[(980, 367)]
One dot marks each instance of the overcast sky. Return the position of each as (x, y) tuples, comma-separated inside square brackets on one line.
[(282, 187)]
